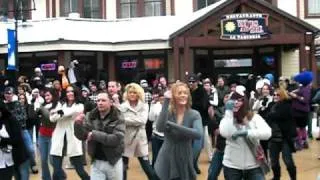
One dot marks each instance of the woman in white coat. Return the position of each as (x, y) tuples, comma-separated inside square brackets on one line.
[(135, 113), (239, 126), (63, 142)]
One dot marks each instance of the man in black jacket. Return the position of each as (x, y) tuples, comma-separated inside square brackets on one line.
[(104, 129), (200, 102)]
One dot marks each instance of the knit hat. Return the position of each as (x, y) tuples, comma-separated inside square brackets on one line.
[(304, 78)]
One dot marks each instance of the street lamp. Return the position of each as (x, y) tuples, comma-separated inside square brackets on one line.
[(18, 9)]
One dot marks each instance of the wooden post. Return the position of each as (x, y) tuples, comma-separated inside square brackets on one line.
[(111, 66), (176, 56), (302, 57), (186, 60)]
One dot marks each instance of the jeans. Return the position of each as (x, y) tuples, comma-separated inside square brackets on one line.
[(22, 173), (77, 162), (275, 149), (237, 174), (104, 170), (156, 145), (215, 165), (29, 146), (44, 148), (145, 164)]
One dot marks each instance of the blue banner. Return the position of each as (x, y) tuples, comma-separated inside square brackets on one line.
[(11, 50)]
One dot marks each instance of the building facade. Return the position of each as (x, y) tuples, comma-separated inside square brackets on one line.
[(131, 39)]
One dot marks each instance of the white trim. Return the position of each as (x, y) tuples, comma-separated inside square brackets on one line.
[(65, 46)]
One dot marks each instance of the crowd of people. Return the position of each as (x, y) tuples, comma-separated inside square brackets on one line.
[(242, 127)]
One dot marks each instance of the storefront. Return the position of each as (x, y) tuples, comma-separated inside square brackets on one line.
[(230, 37), (242, 37)]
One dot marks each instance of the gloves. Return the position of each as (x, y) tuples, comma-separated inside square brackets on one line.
[(264, 101), (229, 104), (33, 100), (60, 112), (239, 133)]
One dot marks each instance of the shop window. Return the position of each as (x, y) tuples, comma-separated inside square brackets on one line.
[(233, 63), (312, 8), (153, 7), (86, 8), (204, 3), (128, 8)]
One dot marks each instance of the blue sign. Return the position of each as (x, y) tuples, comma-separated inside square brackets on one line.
[(246, 26), (11, 50)]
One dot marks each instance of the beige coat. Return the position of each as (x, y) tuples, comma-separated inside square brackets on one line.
[(136, 142), (65, 126)]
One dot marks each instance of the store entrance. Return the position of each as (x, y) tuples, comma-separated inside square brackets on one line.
[(236, 63)]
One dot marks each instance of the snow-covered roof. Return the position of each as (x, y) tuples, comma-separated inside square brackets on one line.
[(133, 30)]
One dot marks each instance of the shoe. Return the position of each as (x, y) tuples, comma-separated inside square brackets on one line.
[(34, 170), (318, 138), (306, 145)]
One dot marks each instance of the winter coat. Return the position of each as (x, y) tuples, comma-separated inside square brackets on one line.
[(107, 133), (237, 153), (136, 142), (281, 123), (65, 127)]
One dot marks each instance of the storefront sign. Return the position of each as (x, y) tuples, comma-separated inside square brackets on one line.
[(48, 67), (247, 26), (129, 64), (153, 63)]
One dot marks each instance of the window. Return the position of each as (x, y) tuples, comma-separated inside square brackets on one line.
[(232, 63), (128, 8), (92, 9), (86, 8), (25, 9), (3, 9), (313, 8), (153, 7), (204, 3), (69, 6)]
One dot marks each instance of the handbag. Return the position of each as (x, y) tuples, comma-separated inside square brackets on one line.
[(257, 151)]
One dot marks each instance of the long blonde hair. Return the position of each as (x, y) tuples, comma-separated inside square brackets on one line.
[(136, 88), (174, 90)]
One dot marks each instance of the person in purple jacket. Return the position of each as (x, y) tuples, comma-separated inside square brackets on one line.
[(301, 107)]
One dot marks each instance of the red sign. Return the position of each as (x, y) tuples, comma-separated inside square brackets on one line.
[(48, 67), (129, 64)]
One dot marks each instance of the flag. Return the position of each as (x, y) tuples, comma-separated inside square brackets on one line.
[(11, 50)]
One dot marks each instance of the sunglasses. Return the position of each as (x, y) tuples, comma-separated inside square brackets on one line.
[(276, 95)]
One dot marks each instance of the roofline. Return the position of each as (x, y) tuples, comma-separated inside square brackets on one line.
[(262, 2), (88, 46), (291, 17)]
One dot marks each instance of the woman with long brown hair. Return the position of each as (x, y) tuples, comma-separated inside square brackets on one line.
[(181, 125), (238, 126)]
